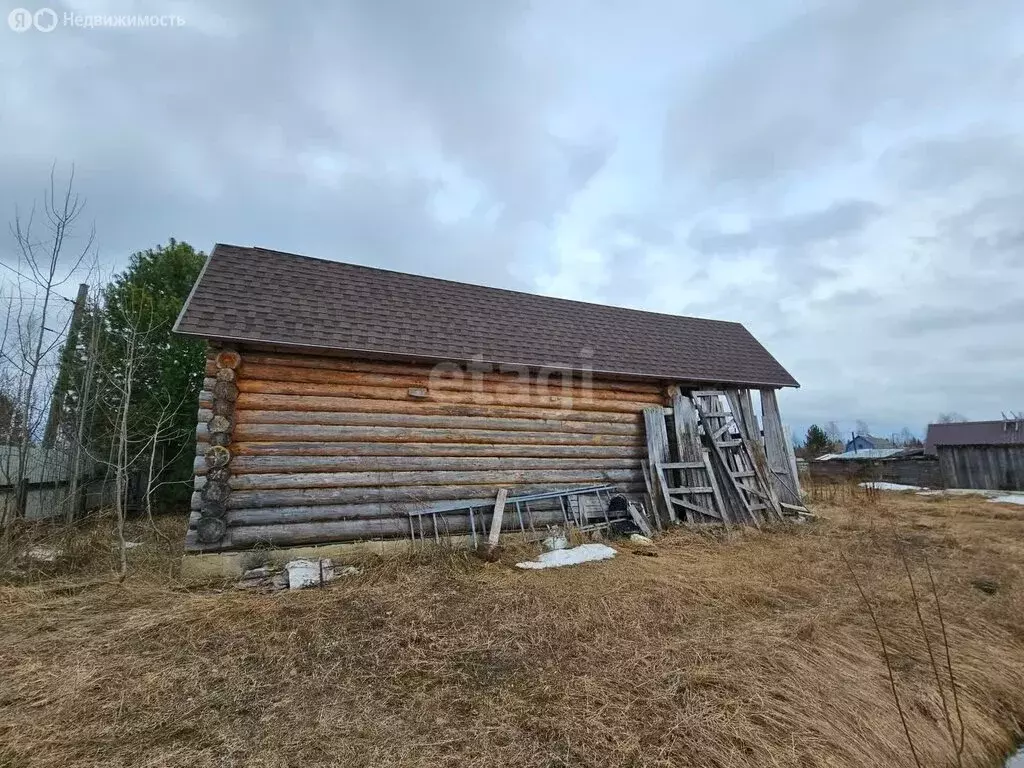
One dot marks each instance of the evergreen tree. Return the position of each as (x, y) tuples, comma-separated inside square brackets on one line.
[(137, 310), (817, 442)]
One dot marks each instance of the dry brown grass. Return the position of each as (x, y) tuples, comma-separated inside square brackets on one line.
[(740, 649)]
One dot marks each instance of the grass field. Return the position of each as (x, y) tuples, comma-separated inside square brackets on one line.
[(728, 649)]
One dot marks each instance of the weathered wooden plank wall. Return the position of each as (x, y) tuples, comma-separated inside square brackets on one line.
[(329, 449), (992, 467)]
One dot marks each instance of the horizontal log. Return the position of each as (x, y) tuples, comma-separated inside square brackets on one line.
[(394, 479), (540, 450), (244, 465), (321, 433), (261, 402), (384, 495), (290, 534), (445, 422), (457, 382), (279, 515), (320, 532), (584, 401), (337, 364)]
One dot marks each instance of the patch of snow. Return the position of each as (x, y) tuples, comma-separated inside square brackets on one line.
[(956, 492), (1013, 498), (643, 541), (891, 487), (559, 558)]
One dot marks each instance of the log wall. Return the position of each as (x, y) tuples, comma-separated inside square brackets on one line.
[(295, 449)]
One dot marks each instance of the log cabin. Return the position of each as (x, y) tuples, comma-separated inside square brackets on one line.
[(339, 398)]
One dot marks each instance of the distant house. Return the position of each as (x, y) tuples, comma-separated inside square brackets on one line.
[(867, 443), (45, 483), (979, 454)]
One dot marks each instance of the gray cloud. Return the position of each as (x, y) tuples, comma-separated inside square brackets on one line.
[(839, 220), (842, 177)]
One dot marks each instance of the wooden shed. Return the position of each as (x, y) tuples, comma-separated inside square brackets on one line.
[(979, 454), (340, 398)]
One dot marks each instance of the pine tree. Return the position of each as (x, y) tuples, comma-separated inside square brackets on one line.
[(817, 442)]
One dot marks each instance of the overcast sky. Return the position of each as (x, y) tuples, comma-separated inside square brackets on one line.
[(845, 178)]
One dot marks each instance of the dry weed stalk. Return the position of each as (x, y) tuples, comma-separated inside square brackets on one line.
[(956, 737), (885, 656)]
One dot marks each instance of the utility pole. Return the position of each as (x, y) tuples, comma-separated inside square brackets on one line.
[(67, 357)]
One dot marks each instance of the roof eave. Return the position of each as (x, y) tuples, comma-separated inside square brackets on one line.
[(791, 383)]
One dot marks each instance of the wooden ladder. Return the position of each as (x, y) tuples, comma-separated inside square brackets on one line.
[(733, 457)]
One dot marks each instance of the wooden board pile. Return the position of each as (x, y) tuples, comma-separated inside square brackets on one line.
[(709, 461)]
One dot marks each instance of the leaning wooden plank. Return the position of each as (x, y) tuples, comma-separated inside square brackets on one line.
[(716, 492), (499, 512), (691, 507), (639, 520), (690, 452), (659, 474), (652, 494), (791, 454), (658, 453), (784, 482)]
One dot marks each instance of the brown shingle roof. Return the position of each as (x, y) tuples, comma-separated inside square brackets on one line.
[(1009, 432), (261, 296)]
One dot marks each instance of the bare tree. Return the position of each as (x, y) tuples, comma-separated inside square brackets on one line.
[(46, 257), (906, 439), (863, 430), (833, 434), (951, 417)]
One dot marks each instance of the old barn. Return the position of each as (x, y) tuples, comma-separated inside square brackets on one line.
[(979, 454), (342, 402)]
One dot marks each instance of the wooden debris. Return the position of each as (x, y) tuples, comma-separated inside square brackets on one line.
[(724, 469), (639, 520), (499, 513), (658, 453)]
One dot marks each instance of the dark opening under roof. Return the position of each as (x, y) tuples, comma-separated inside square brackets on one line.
[(267, 297)]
